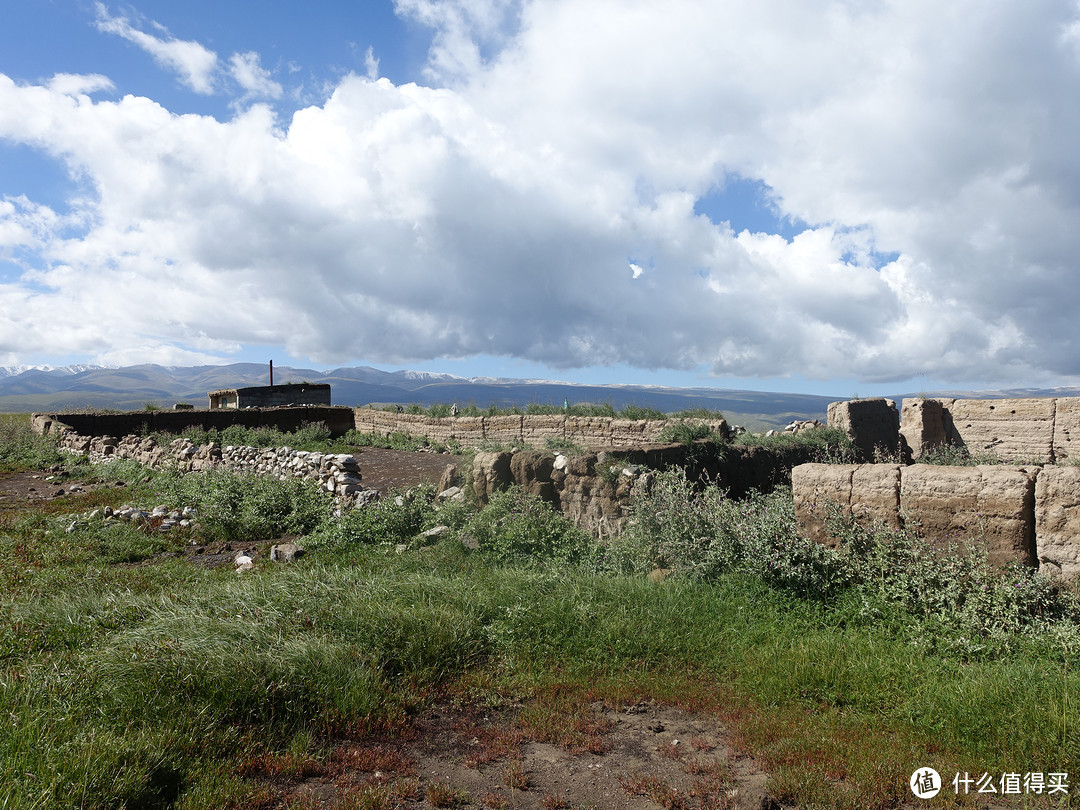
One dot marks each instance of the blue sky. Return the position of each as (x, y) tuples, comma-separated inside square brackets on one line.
[(839, 198)]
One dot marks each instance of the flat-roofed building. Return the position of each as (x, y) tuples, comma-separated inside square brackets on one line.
[(271, 396)]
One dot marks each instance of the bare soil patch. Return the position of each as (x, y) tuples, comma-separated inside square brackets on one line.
[(385, 469), (596, 755)]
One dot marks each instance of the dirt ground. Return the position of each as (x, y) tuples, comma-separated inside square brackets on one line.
[(384, 469), (607, 757)]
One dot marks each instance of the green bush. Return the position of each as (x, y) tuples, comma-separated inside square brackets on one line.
[(685, 432), (937, 593), (246, 508), (828, 445), (702, 533), (516, 527), (951, 455), (395, 518), (21, 447)]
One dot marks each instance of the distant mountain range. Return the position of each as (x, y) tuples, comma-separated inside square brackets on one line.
[(133, 387)]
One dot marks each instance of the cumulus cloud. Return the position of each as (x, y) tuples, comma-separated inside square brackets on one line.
[(931, 150)]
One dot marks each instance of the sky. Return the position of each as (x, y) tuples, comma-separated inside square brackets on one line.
[(847, 198)]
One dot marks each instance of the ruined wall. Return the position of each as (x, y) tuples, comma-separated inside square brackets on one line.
[(1024, 514), (595, 489), (336, 474), (1022, 431), (469, 431), (523, 431), (338, 419), (872, 424)]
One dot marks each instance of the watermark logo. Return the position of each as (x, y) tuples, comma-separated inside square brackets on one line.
[(925, 783)]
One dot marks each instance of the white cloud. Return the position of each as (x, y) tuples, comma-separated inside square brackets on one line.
[(70, 84), (252, 76), (371, 64), (193, 62), (495, 213)]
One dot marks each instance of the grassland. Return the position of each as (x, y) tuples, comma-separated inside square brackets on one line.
[(131, 677)]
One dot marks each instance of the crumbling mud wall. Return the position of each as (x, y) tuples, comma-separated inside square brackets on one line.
[(339, 419), (1016, 513), (1022, 431), (521, 430)]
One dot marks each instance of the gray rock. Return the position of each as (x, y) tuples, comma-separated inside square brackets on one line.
[(286, 552)]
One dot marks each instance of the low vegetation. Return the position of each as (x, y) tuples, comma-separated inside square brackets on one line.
[(442, 410), (130, 677)]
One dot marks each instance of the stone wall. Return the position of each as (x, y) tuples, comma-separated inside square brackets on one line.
[(519, 430), (1023, 514), (468, 431), (337, 474), (594, 489)]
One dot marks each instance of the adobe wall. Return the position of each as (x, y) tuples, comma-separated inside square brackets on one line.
[(1023, 431), (520, 430), (338, 419), (1024, 514), (469, 431)]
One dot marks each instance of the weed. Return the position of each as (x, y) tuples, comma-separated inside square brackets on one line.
[(826, 445), (957, 456), (442, 794), (516, 527), (555, 443), (22, 448), (394, 519), (515, 776), (682, 431)]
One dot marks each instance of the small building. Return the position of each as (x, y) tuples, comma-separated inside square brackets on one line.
[(271, 396)]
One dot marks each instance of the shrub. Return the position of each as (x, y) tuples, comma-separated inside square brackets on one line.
[(685, 432), (517, 527), (246, 508), (393, 519), (828, 445), (21, 447), (952, 455), (702, 533)]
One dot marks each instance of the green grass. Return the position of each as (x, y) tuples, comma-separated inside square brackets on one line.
[(129, 677), (21, 448), (442, 410)]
